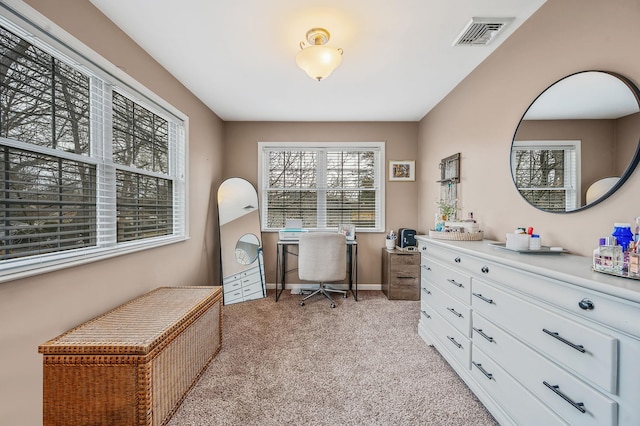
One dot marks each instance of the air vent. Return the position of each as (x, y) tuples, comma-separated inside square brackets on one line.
[(481, 31)]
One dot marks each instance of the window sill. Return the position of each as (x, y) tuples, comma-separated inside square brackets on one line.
[(25, 268)]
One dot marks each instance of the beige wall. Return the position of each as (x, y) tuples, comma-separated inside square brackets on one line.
[(36, 309), (401, 197), (480, 116), (477, 119), (627, 137)]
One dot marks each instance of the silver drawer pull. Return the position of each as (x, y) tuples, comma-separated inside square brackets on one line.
[(454, 282), (454, 342), (555, 335), (556, 389), (482, 370), (426, 314), (426, 291), (482, 333), (481, 297), (453, 311), (586, 304)]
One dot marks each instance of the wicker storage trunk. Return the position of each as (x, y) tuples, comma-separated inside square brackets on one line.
[(134, 364)]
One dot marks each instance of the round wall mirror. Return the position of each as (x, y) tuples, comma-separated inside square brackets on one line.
[(247, 249), (578, 142)]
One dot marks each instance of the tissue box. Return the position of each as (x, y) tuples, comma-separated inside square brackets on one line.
[(518, 241)]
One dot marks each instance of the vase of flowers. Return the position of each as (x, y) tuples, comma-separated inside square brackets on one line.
[(447, 211)]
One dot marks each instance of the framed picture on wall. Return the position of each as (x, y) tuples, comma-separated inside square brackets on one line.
[(402, 170)]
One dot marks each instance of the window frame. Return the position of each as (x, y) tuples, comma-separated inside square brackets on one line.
[(380, 170), (572, 195), (24, 21)]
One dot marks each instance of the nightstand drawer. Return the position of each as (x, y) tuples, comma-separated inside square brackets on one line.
[(572, 399), (588, 352), (399, 258)]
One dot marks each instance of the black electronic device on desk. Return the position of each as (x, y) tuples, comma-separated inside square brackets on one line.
[(407, 240)]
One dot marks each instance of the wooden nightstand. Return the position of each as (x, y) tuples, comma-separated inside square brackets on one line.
[(401, 274)]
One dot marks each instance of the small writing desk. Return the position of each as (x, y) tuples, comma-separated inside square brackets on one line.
[(281, 265)]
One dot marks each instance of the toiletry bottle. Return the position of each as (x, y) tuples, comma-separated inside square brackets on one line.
[(634, 262), (611, 254), (617, 256), (623, 234), (535, 242), (597, 257)]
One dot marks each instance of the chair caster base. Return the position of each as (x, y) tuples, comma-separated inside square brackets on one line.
[(333, 305), (301, 303)]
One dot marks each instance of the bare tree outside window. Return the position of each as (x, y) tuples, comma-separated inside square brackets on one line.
[(47, 202), (540, 177), (323, 187), (63, 187)]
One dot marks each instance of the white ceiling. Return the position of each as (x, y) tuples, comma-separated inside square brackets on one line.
[(585, 95), (238, 56)]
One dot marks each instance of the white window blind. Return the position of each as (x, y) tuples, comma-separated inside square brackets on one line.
[(325, 185), (87, 171), (547, 173)]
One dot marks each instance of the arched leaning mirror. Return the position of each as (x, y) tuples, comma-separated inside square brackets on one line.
[(578, 142), (242, 264)]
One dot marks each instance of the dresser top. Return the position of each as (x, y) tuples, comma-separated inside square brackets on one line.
[(569, 268)]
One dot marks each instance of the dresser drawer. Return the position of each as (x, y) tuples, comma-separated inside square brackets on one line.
[(232, 297), (533, 370), (524, 408), (590, 353), (450, 339), (231, 287), (239, 276), (251, 288), (449, 308), (455, 283)]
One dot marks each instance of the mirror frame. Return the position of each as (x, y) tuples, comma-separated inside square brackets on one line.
[(628, 171), (257, 250)]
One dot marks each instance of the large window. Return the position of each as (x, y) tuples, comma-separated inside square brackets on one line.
[(87, 169), (547, 173), (325, 185)]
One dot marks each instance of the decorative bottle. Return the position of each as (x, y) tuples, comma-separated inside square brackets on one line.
[(634, 262), (623, 234), (611, 256), (597, 256)]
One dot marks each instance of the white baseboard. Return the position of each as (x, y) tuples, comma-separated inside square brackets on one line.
[(305, 286)]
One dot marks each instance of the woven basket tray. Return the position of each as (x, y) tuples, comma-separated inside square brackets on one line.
[(457, 236)]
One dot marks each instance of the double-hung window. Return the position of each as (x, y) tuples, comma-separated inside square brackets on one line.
[(90, 167), (324, 184), (547, 173)]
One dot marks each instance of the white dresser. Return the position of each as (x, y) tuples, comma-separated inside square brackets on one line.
[(540, 339), (245, 285)]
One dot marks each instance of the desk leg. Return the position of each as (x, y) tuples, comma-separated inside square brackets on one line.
[(353, 269), (280, 269)]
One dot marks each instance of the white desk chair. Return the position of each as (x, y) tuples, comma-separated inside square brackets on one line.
[(322, 257)]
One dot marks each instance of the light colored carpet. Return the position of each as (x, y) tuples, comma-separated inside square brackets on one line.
[(361, 363)]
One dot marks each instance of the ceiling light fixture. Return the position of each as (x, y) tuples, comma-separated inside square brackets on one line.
[(316, 59)]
